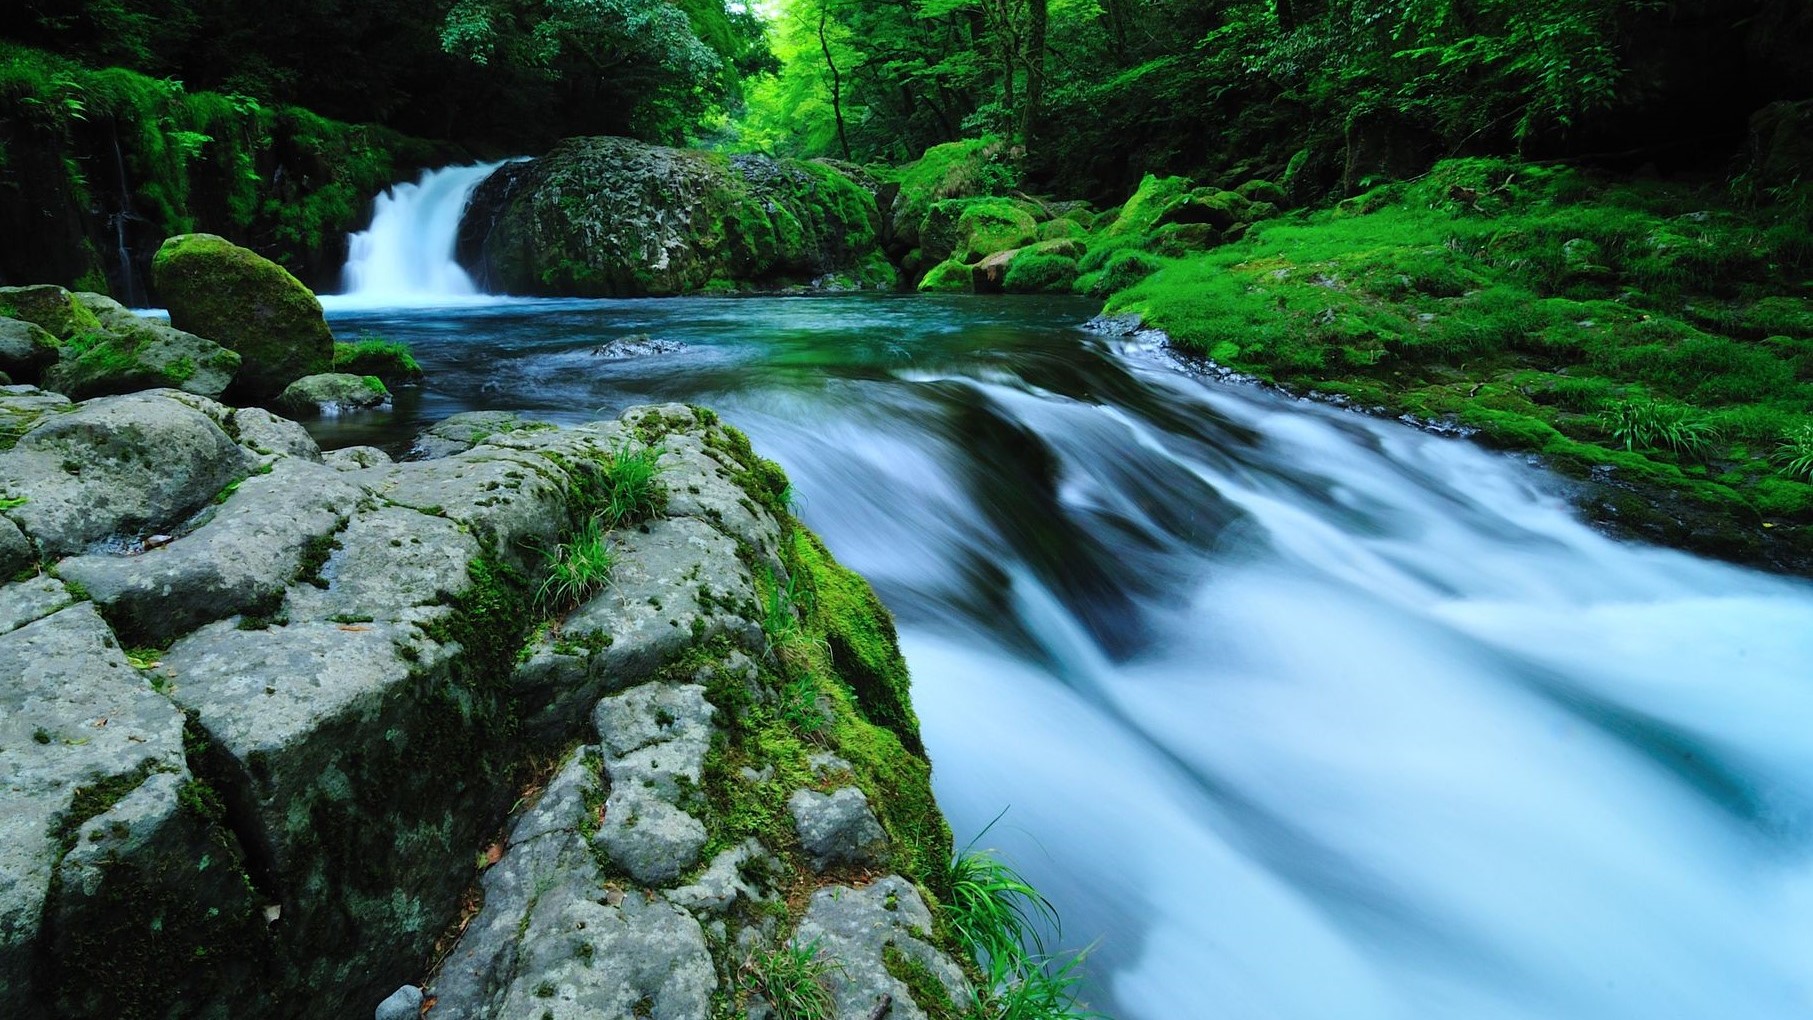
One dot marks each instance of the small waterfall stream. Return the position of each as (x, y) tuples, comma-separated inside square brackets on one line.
[(406, 256)]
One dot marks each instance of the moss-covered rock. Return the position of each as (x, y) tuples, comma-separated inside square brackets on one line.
[(948, 277), (389, 360), (1040, 273), (971, 168), (127, 353), (332, 393), (611, 217), (51, 308), (248, 304), (25, 349)]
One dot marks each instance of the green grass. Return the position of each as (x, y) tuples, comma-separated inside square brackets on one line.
[(1650, 425), (633, 489), (790, 978), (1001, 920), (1795, 454), (576, 569)]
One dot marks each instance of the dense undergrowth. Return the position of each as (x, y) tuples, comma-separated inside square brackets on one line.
[(158, 159)]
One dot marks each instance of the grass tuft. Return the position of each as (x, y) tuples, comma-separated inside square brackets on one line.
[(791, 979), (577, 569)]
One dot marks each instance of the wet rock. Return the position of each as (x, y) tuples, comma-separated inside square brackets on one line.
[(248, 304), (836, 828), (333, 393), (636, 345)]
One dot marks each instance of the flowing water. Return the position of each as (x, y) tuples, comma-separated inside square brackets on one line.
[(1294, 713), (406, 256)]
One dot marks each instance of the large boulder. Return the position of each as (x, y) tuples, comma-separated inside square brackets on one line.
[(611, 217), (248, 304)]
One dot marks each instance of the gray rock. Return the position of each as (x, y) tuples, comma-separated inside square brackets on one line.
[(116, 466), (356, 458), (128, 354), (30, 600), (26, 349), (514, 502), (73, 714), (332, 393), (547, 939), (385, 565), (403, 1004), (264, 433), (722, 883), (648, 837), (463, 431), (48, 306), (855, 926), (636, 345), (15, 552), (243, 558), (836, 828)]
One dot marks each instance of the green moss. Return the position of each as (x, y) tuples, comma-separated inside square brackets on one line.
[(372, 355), (927, 991), (1149, 202), (951, 277), (1040, 273)]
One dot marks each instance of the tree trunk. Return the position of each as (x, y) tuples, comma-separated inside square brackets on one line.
[(837, 83), (1035, 70)]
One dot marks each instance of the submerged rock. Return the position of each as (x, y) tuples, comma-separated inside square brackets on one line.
[(611, 217), (636, 345), (248, 304)]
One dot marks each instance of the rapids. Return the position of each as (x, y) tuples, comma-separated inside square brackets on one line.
[(1296, 714)]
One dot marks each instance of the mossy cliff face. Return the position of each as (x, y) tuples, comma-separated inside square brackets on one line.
[(611, 217), (344, 671)]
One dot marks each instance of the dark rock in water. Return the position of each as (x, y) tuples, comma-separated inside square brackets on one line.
[(611, 217), (246, 303), (332, 393), (637, 345)]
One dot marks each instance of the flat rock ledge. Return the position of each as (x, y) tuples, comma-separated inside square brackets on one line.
[(292, 735)]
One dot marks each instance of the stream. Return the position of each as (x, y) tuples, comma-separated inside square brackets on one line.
[(1293, 713)]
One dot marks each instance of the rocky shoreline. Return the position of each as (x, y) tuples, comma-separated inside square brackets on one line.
[(544, 722)]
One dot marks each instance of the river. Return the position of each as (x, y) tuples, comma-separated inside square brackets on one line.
[(1293, 713)]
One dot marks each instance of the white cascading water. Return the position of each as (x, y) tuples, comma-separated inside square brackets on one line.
[(406, 256)]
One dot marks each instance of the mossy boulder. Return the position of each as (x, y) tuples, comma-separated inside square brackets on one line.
[(948, 277), (611, 217), (1034, 272), (47, 306), (389, 360), (25, 349), (971, 168), (248, 304), (127, 353), (332, 393), (1263, 191), (1143, 210)]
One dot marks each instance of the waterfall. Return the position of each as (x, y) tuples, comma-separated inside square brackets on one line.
[(406, 256)]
